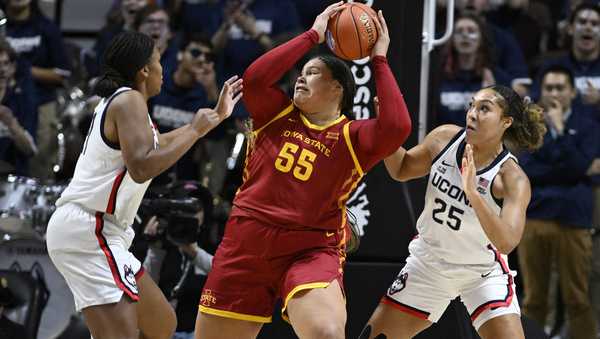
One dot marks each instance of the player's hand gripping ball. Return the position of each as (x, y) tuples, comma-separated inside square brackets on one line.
[(352, 32)]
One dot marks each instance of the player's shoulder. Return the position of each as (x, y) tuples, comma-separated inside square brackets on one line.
[(513, 177), (128, 101), (440, 137), (444, 132)]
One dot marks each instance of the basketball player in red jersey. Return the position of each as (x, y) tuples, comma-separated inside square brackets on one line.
[(285, 238)]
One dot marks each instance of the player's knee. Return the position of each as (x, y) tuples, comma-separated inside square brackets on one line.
[(170, 324), (166, 329), (327, 330)]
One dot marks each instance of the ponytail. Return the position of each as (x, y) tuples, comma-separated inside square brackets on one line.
[(528, 127), (528, 133)]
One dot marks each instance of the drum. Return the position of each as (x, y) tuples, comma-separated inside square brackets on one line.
[(27, 254), (18, 195), (26, 207), (45, 206)]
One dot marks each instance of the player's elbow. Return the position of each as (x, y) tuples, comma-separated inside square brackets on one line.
[(138, 174), (507, 247), (404, 129), (401, 178), (396, 172), (252, 78), (401, 131)]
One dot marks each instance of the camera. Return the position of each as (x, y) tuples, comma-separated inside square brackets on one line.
[(177, 218)]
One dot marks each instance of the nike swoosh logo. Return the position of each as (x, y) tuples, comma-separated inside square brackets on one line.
[(486, 274), (329, 234), (446, 164)]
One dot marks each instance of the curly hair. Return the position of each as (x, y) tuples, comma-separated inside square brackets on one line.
[(528, 127)]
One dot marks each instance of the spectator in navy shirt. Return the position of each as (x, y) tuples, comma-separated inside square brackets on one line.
[(469, 66), (38, 42), (155, 22), (196, 16), (248, 29), (18, 114), (559, 217), (119, 18), (583, 58), (508, 55)]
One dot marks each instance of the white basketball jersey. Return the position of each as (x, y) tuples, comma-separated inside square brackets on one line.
[(101, 181), (448, 227)]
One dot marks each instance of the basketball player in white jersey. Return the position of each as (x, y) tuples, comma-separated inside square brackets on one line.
[(89, 234), (474, 215)]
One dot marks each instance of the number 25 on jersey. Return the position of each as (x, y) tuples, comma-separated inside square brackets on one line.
[(302, 164)]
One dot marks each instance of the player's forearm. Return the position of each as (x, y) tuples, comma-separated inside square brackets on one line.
[(166, 138), (393, 123), (499, 232), (156, 161), (268, 69)]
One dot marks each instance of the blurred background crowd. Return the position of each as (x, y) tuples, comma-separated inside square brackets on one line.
[(547, 50)]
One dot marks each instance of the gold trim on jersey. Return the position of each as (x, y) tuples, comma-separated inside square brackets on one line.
[(302, 287), (252, 137), (234, 315), (351, 149), (281, 114), (320, 128)]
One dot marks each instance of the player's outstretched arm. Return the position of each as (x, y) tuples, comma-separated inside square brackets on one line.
[(404, 165), (207, 119), (143, 160), (262, 96)]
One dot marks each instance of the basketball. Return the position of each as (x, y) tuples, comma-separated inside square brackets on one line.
[(351, 33)]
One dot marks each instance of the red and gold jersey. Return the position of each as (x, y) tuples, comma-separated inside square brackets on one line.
[(297, 174)]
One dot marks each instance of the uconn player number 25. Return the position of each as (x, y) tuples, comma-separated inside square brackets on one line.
[(453, 221)]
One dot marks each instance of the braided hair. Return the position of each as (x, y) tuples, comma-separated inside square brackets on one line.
[(126, 54)]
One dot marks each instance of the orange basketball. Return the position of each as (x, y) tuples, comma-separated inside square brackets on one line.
[(351, 32)]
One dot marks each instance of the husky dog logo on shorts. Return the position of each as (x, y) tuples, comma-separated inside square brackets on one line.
[(129, 275), (398, 284)]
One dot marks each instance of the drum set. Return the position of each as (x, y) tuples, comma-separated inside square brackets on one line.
[(25, 207)]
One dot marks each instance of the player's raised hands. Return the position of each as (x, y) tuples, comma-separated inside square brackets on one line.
[(468, 172), (383, 38), (207, 119), (231, 93), (320, 24)]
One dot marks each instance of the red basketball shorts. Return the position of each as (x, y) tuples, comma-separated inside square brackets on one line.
[(256, 264)]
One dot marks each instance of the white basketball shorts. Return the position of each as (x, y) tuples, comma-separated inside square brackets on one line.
[(92, 255), (425, 292)]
